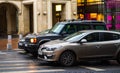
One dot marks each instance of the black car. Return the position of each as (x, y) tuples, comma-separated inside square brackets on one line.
[(31, 42)]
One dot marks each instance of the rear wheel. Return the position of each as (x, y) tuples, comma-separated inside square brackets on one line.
[(67, 58)]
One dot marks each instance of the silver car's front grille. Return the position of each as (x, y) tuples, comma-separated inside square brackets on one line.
[(43, 48)]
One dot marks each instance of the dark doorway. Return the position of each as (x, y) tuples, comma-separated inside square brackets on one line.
[(8, 19), (58, 14), (31, 18)]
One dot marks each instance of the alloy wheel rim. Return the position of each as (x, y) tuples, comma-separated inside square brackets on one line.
[(67, 58)]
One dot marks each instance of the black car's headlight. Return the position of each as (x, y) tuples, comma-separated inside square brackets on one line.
[(33, 40), (22, 40)]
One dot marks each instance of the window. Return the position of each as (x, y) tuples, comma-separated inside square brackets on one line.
[(83, 27), (116, 37), (57, 28), (94, 37), (99, 27), (109, 36), (70, 28)]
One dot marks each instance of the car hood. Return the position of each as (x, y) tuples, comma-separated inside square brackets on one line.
[(56, 43), (40, 35)]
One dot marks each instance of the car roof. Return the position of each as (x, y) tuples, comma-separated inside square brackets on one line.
[(83, 21), (90, 31)]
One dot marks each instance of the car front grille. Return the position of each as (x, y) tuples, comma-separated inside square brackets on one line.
[(27, 39), (41, 56)]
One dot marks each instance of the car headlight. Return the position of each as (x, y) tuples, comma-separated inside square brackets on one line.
[(53, 48), (22, 40), (50, 49), (33, 40)]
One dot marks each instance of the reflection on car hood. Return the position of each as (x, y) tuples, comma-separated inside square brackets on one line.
[(56, 43), (40, 35)]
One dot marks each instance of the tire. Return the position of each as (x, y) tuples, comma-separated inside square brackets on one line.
[(35, 55), (118, 58), (67, 58), (26, 51)]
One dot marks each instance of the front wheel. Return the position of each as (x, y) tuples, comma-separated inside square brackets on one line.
[(67, 58)]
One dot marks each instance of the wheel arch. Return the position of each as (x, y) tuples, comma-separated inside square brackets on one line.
[(43, 41)]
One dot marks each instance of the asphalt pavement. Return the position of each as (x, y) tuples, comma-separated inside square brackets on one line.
[(17, 61)]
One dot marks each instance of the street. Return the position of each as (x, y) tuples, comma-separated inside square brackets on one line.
[(17, 61)]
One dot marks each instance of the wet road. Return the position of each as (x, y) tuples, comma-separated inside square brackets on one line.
[(16, 61)]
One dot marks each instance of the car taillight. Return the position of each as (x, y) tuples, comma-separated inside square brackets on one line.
[(33, 40)]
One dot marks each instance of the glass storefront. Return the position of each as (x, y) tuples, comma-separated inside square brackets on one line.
[(90, 9), (113, 14), (101, 10)]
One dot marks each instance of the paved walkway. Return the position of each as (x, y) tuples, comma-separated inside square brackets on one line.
[(4, 41)]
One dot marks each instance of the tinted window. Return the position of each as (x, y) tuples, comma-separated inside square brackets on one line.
[(109, 36), (93, 37), (99, 27), (116, 36), (70, 28), (83, 27)]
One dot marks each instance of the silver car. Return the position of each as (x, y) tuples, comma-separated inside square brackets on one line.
[(83, 45)]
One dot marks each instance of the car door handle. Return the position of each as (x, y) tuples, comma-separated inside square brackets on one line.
[(97, 46)]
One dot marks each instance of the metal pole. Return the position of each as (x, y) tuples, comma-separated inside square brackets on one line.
[(105, 11), (9, 44), (20, 36), (85, 7)]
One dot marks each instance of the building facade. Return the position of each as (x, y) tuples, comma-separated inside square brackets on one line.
[(91, 9), (101, 10), (113, 14), (33, 16)]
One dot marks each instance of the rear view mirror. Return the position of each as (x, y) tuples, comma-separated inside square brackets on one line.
[(83, 41)]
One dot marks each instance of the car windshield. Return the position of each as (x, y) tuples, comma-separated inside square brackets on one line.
[(74, 37), (57, 28), (45, 31)]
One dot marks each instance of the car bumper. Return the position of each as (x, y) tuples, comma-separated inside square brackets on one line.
[(29, 47), (48, 55)]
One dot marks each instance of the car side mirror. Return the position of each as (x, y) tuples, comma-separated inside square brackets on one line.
[(83, 41)]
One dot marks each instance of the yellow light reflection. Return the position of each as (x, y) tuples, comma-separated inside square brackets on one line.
[(93, 15)]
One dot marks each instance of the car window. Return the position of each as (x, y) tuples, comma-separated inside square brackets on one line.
[(99, 27), (116, 36), (83, 27), (109, 36), (74, 37), (70, 28), (93, 37)]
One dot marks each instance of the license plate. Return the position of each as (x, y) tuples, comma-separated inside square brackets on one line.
[(20, 44), (26, 45)]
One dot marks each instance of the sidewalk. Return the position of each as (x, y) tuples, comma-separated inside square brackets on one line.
[(4, 41)]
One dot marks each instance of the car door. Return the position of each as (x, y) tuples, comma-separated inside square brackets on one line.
[(106, 45), (69, 29), (91, 48), (109, 44)]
